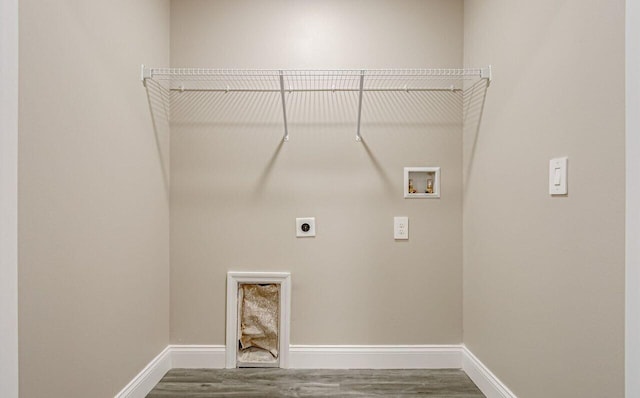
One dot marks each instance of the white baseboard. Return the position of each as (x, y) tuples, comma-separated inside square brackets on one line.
[(335, 357), (486, 381), (328, 357), (144, 382), (375, 357), (198, 356)]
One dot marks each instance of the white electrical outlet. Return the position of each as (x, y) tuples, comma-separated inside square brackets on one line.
[(305, 227), (400, 227)]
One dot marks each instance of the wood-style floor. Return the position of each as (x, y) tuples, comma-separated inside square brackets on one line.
[(266, 383)]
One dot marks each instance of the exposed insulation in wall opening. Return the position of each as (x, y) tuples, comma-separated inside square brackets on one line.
[(258, 325)]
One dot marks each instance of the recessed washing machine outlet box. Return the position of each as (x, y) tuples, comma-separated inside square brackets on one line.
[(422, 182), (305, 227)]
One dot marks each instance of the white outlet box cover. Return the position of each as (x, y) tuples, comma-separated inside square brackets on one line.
[(401, 228), (305, 227)]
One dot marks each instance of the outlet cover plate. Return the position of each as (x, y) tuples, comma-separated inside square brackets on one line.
[(401, 228), (305, 227)]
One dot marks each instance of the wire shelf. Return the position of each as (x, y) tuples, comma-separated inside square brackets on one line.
[(328, 80), (268, 80)]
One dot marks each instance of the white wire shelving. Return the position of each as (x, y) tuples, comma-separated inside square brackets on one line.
[(284, 81)]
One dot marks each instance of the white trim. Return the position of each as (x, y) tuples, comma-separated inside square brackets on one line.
[(197, 356), (328, 357), (9, 198), (632, 211), (486, 381), (144, 381), (335, 356), (233, 279), (375, 357)]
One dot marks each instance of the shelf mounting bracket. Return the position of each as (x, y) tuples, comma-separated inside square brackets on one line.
[(284, 107), (358, 137), (485, 73), (145, 73)]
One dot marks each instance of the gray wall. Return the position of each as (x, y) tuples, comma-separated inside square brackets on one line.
[(93, 205), (236, 190), (544, 276)]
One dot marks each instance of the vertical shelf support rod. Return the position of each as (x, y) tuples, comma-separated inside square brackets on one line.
[(284, 107), (358, 137)]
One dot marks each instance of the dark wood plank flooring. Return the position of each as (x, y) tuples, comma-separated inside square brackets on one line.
[(198, 383)]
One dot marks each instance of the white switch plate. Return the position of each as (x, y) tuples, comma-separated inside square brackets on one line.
[(558, 176), (400, 227), (308, 223)]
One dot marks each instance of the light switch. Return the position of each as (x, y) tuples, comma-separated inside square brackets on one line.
[(401, 228), (558, 176)]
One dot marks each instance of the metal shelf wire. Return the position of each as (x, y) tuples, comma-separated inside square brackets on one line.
[(297, 80)]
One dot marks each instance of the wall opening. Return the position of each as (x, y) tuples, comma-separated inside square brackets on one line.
[(258, 314), (258, 325)]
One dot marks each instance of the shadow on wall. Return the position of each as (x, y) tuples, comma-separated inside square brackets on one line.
[(223, 116), (474, 98), (234, 110), (158, 98)]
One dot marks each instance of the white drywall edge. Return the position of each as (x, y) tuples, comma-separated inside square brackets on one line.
[(632, 244), (9, 198)]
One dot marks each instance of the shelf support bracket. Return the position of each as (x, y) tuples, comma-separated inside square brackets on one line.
[(145, 73), (284, 108), (358, 137), (485, 73)]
